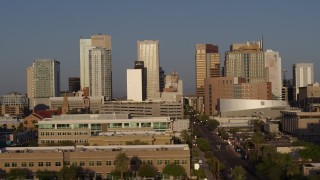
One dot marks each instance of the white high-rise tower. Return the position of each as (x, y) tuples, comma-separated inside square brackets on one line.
[(303, 75)]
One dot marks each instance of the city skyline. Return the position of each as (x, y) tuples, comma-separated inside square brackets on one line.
[(287, 27)]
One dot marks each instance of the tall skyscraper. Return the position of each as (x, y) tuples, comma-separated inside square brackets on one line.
[(207, 61), (30, 85), (303, 75), (96, 41), (74, 84), (45, 78), (273, 65), (246, 60), (148, 52), (100, 74)]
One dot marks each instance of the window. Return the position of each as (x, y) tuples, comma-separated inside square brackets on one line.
[(66, 163), (63, 126), (166, 161), (159, 162), (6, 164), (176, 162), (58, 163), (99, 163), (40, 164), (74, 163), (31, 164), (183, 161), (48, 164), (91, 163), (14, 164), (23, 164), (149, 162), (81, 163), (108, 163), (95, 126)]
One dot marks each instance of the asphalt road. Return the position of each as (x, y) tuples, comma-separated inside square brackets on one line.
[(225, 153)]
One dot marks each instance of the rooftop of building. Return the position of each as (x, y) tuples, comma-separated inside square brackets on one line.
[(81, 148)]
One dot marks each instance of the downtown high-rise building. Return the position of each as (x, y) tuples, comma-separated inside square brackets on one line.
[(274, 71), (148, 52), (207, 61), (246, 60), (74, 84), (250, 61), (97, 49), (303, 75), (44, 78), (100, 74)]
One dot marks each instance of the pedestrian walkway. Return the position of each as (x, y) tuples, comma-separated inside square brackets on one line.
[(205, 166)]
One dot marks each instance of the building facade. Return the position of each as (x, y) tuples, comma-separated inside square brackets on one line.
[(96, 41), (246, 60), (171, 109), (99, 159), (74, 84), (148, 52), (79, 127), (46, 78), (135, 84), (13, 104), (30, 84), (207, 61), (274, 70), (303, 74), (232, 88), (100, 74), (302, 124)]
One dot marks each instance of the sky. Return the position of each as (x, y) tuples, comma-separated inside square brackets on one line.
[(51, 29)]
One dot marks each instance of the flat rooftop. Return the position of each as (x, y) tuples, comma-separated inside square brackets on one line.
[(80, 148)]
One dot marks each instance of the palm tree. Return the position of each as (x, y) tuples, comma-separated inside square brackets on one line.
[(122, 163)]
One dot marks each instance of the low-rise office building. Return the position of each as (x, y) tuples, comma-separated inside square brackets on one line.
[(79, 127), (302, 124), (99, 159)]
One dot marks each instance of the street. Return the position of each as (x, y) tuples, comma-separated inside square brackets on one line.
[(225, 153)]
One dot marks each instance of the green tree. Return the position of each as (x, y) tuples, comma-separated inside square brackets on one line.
[(185, 136), (135, 164), (212, 124), (18, 173), (257, 138), (122, 163), (147, 170), (174, 170), (215, 166), (69, 173), (46, 174), (203, 144), (238, 173)]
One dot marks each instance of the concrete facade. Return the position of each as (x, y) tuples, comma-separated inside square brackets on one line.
[(303, 75), (232, 88), (135, 84), (171, 109), (207, 61), (301, 124)]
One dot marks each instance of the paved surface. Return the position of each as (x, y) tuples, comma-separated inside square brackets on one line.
[(226, 154)]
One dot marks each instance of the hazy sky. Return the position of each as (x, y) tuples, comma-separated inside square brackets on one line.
[(51, 29)]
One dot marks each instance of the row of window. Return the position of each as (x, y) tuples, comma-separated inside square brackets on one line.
[(31, 164), (61, 141), (63, 133), (83, 163)]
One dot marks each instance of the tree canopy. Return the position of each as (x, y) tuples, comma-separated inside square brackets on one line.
[(147, 170), (122, 163), (174, 170)]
